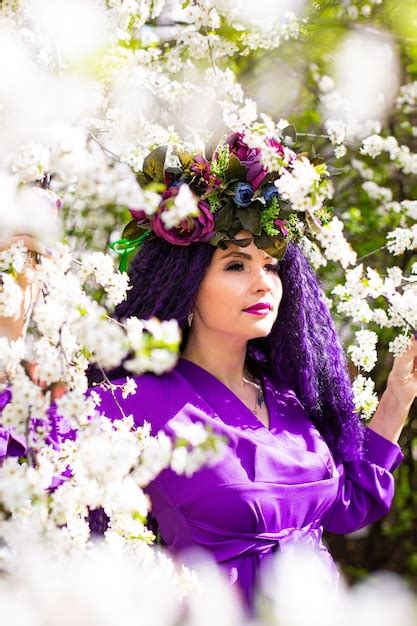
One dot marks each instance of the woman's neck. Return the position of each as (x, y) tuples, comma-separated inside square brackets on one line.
[(223, 357)]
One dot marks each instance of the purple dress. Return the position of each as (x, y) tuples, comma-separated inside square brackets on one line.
[(272, 489)]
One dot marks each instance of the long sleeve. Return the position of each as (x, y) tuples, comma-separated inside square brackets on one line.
[(141, 405), (11, 444), (366, 487), (14, 444)]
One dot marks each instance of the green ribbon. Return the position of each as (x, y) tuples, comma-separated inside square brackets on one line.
[(125, 246)]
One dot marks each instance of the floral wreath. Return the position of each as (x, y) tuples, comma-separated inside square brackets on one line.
[(211, 198)]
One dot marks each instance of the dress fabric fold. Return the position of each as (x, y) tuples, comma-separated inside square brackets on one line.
[(272, 489)]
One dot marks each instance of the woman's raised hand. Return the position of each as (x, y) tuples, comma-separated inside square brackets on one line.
[(14, 327)]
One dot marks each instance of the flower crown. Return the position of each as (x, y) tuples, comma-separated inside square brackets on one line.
[(211, 198)]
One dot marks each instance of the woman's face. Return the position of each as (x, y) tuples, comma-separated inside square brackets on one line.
[(240, 292)]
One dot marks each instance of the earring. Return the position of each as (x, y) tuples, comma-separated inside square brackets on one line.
[(190, 318)]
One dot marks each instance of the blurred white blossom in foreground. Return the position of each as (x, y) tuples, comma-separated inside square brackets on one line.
[(106, 586)]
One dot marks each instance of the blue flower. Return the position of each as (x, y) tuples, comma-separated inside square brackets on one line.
[(269, 193), (243, 194)]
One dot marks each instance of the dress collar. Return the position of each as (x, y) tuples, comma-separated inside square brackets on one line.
[(227, 405)]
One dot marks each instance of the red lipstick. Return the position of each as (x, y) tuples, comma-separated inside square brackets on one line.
[(262, 308)]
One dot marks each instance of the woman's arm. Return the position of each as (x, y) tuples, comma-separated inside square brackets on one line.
[(390, 416), (367, 485), (396, 401)]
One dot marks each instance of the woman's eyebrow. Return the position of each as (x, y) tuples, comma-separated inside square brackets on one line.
[(245, 255)]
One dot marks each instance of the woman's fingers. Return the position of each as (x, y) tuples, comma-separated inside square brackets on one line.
[(403, 375), (405, 360)]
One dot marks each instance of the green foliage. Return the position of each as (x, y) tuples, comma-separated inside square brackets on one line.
[(268, 217), (154, 164), (220, 164), (250, 219), (234, 170)]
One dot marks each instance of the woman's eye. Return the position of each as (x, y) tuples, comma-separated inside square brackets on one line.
[(236, 267)]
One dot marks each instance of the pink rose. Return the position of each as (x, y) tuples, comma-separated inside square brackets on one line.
[(196, 229)]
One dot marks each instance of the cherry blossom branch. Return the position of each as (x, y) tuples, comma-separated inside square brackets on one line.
[(111, 387), (372, 252), (98, 142)]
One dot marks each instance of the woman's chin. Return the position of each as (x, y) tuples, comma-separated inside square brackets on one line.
[(265, 320), (262, 328)]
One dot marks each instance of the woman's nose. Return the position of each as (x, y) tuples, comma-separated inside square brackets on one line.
[(262, 282)]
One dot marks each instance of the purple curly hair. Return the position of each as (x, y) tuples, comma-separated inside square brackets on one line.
[(303, 348)]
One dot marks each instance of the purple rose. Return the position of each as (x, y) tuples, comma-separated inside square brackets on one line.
[(250, 157), (195, 229)]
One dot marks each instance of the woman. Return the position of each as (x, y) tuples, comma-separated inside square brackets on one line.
[(260, 364)]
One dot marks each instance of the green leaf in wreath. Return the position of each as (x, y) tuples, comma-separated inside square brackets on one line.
[(279, 248), (154, 163), (218, 239), (235, 228), (143, 179), (320, 164), (241, 243), (250, 219), (224, 218), (235, 169), (131, 230), (229, 189), (272, 245)]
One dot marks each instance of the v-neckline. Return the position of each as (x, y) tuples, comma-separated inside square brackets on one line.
[(213, 388)]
